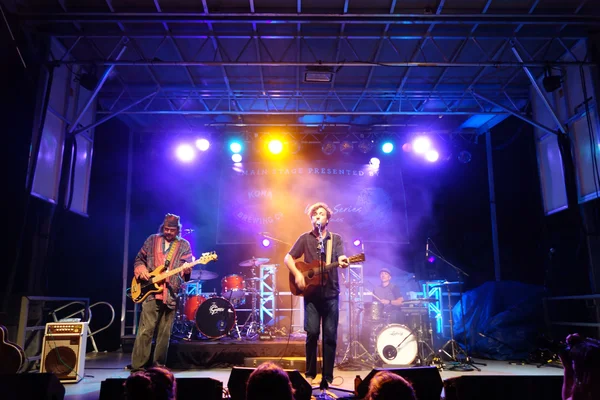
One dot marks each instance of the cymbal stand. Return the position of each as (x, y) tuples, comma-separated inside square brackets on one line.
[(253, 323), (356, 357), (422, 344)]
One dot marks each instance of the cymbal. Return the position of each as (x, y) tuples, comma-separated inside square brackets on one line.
[(202, 275), (253, 262)]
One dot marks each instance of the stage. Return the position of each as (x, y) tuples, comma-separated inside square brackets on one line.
[(101, 366)]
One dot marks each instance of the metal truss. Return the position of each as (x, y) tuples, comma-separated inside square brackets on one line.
[(327, 102)]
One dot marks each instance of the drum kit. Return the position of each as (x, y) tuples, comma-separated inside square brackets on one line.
[(401, 337), (212, 315)]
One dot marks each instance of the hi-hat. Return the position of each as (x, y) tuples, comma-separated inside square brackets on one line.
[(202, 275), (254, 262)]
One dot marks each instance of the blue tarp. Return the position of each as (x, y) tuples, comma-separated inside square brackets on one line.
[(502, 320)]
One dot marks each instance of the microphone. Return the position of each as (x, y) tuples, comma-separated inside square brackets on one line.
[(427, 249), (188, 230), (318, 223)]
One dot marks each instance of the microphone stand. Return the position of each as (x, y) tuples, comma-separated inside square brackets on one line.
[(467, 364)]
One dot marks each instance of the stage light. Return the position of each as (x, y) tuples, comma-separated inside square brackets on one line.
[(431, 259), (346, 147), (235, 147), (185, 152), (464, 157), (387, 147), (374, 162), (421, 144), (432, 156), (266, 242), (236, 158), (407, 147), (365, 145), (275, 146), (357, 242), (202, 144), (328, 147)]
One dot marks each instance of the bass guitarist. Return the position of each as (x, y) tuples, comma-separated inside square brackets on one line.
[(166, 248), (321, 302)]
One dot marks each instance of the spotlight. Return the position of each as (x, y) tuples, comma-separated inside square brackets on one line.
[(421, 144), (275, 146), (185, 152), (328, 147), (407, 147), (357, 242), (365, 145), (236, 158), (346, 147), (266, 242), (464, 157), (374, 162), (431, 259), (387, 147), (202, 144), (432, 156), (235, 147)]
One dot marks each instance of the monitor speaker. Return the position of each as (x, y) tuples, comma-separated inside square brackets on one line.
[(31, 387), (426, 381), (239, 377), (187, 389), (535, 387), (63, 350)]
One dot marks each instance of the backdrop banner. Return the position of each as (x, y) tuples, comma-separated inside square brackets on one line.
[(272, 199)]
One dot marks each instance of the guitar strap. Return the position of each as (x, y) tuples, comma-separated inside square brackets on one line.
[(174, 244), (329, 249)]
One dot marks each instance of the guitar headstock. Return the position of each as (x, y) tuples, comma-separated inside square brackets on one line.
[(207, 257), (356, 258)]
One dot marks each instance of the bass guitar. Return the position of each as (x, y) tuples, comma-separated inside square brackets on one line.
[(140, 289), (12, 356), (312, 271)]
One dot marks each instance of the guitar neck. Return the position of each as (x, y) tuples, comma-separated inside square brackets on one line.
[(167, 274)]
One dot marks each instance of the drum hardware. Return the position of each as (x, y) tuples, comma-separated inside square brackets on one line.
[(465, 363), (253, 325)]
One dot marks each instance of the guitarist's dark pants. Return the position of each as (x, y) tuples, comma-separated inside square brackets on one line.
[(316, 309), (157, 316)]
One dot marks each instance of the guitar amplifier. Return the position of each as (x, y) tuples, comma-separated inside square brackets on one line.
[(63, 350)]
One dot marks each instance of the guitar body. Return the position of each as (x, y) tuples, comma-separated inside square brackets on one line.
[(312, 274), (141, 289), (12, 357)]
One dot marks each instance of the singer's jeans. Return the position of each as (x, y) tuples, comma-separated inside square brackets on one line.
[(157, 316), (315, 310)]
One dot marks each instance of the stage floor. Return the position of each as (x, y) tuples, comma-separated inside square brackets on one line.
[(100, 366)]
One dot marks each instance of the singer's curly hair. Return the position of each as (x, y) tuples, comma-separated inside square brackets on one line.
[(312, 209)]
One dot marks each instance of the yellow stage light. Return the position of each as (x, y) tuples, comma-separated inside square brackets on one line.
[(275, 146)]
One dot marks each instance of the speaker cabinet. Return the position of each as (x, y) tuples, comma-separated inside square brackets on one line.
[(31, 387), (239, 378), (535, 387), (426, 381), (63, 350), (187, 389)]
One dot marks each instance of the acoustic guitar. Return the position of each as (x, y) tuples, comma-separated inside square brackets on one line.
[(12, 356), (312, 271), (140, 289)]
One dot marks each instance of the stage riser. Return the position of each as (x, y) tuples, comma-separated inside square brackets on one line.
[(229, 353)]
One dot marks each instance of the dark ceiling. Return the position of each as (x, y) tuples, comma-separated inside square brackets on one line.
[(407, 65)]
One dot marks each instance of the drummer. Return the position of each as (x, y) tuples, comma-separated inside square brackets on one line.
[(389, 295)]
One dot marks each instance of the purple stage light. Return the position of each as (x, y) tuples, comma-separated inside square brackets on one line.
[(432, 156), (357, 242), (431, 259), (185, 152), (202, 144), (266, 242), (421, 144)]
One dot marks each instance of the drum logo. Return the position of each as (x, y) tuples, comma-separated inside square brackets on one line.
[(214, 308)]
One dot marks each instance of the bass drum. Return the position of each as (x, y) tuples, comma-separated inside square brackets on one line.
[(215, 317), (396, 344)]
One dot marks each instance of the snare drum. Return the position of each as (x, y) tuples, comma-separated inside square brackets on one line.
[(396, 344), (191, 306), (215, 317), (373, 311), (233, 287)]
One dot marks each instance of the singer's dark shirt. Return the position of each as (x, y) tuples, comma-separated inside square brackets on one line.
[(307, 245)]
